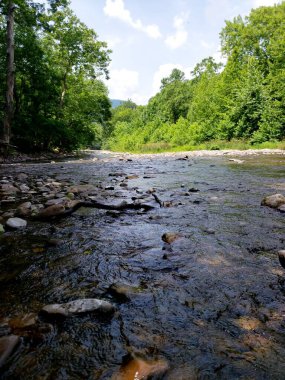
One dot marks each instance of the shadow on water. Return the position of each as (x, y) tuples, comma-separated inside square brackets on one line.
[(211, 303)]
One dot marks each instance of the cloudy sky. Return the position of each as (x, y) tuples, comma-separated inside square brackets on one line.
[(151, 37)]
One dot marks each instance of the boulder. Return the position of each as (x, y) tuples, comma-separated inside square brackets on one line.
[(16, 223), (7, 346), (85, 305), (273, 201)]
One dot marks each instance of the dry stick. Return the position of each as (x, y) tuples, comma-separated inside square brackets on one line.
[(121, 207), (157, 200)]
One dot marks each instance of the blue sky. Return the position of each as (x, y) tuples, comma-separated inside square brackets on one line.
[(151, 37)]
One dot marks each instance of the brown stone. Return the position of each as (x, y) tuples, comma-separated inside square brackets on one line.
[(170, 237), (273, 201), (51, 211), (139, 369)]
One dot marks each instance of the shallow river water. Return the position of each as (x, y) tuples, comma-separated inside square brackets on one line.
[(211, 303)]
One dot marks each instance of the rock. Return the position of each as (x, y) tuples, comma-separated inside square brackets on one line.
[(9, 189), (24, 188), (7, 346), (24, 209), (132, 176), (22, 177), (80, 306), (109, 188), (56, 201), (80, 189), (281, 255), (170, 237), (281, 208), (24, 322), (123, 291), (49, 212), (273, 201), (193, 190), (1, 229), (140, 369), (237, 161), (16, 223)]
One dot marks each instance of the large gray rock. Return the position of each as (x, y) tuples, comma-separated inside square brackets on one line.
[(16, 223), (7, 346), (273, 201), (80, 306)]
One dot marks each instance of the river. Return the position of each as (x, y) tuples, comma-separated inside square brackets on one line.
[(210, 303)]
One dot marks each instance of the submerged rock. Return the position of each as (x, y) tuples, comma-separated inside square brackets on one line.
[(140, 369), (273, 201), (170, 237), (54, 210), (80, 306), (16, 223), (7, 346), (281, 256)]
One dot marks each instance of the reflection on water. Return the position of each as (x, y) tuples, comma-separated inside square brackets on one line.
[(210, 304)]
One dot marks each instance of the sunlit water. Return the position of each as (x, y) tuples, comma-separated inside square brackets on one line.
[(211, 303)]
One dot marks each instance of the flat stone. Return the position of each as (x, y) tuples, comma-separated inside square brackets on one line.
[(7, 346), (273, 201), (16, 223), (80, 306), (51, 211), (80, 189)]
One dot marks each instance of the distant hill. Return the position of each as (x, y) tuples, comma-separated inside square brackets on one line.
[(116, 102)]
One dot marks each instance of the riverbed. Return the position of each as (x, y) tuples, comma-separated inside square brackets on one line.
[(209, 302)]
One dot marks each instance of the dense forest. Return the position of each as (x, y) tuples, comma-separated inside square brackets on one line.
[(60, 101), (242, 101)]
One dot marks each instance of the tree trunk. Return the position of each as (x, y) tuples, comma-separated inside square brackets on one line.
[(9, 106)]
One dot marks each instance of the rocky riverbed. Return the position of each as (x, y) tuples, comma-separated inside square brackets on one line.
[(118, 266)]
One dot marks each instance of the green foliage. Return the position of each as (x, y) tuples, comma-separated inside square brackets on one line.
[(244, 100), (60, 101)]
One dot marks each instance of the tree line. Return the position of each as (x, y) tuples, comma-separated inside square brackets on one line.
[(51, 70), (241, 100), (53, 96)]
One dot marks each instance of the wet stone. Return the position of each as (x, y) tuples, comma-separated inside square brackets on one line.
[(85, 305), (7, 346), (273, 201), (140, 369), (16, 223), (170, 237), (281, 256)]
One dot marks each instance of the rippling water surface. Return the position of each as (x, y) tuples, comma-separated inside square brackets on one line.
[(211, 303)]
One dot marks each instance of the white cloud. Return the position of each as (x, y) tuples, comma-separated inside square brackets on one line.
[(164, 71), (113, 41), (179, 38), (267, 3), (116, 9), (122, 83)]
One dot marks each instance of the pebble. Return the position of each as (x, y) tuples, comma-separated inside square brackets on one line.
[(16, 223), (79, 306)]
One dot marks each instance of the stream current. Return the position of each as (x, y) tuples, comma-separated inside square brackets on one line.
[(211, 303)]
